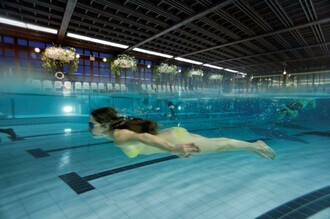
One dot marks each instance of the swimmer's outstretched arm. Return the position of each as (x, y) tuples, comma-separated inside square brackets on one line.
[(124, 136)]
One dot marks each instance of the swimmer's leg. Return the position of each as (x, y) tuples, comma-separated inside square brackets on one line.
[(10, 132), (211, 145)]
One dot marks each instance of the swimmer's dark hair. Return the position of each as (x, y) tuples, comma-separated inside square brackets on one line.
[(108, 115)]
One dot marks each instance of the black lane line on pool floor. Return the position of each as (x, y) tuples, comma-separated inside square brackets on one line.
[(317, 133), (50, 134), (39, 153), (301, 207), (80, 184)]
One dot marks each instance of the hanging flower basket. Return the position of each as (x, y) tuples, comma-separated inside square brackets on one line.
[(193, 72), (166, 69), (55, 57), (122, 62), (216, 77)]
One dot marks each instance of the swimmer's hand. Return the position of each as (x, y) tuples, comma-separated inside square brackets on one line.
[(185, 149)]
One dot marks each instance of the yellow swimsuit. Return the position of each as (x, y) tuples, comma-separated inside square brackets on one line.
[(132, 151)]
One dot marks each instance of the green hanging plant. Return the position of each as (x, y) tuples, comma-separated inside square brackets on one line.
[(164, 68), (216, 77), (122, 62), (55, 57), (195, 72)]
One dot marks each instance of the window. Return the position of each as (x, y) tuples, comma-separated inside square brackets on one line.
[(22, 42), (80, 68), (78, 76), (79, 51), (9, 52), (34, 44), (9, 61), (104, 55), (104, 75), (34, 55), (22, 54), (9, 40), (23, 63), (95, 73)]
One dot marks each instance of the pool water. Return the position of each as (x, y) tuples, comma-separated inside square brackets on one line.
[(55, 169)]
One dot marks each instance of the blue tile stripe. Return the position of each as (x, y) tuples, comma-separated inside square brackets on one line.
[(80, 184), (301, 207)]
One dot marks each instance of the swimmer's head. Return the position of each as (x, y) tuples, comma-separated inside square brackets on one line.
[(96, 129), (104, 115), (100, 120), (106, 120)]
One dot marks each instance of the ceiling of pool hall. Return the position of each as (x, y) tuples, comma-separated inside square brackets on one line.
[(251, 36)]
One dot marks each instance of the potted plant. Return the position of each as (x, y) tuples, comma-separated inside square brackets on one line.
[(122, 62), (55, 57), (195, 72), (166, 69), (216, 77)]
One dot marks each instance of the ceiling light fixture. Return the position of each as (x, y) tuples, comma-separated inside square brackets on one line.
[(108, 43), (230, 70), (212, 66), (153, 53), (188, 60), (27, 26)]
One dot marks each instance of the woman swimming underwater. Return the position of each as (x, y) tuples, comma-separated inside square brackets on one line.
[(136, 136)]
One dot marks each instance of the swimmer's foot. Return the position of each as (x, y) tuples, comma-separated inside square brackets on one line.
[(12, 134), (263, 150)]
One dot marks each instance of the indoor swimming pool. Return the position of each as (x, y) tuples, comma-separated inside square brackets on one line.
[(56, 169)]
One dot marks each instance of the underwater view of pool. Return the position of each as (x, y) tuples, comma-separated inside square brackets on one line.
[(55, 169)]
